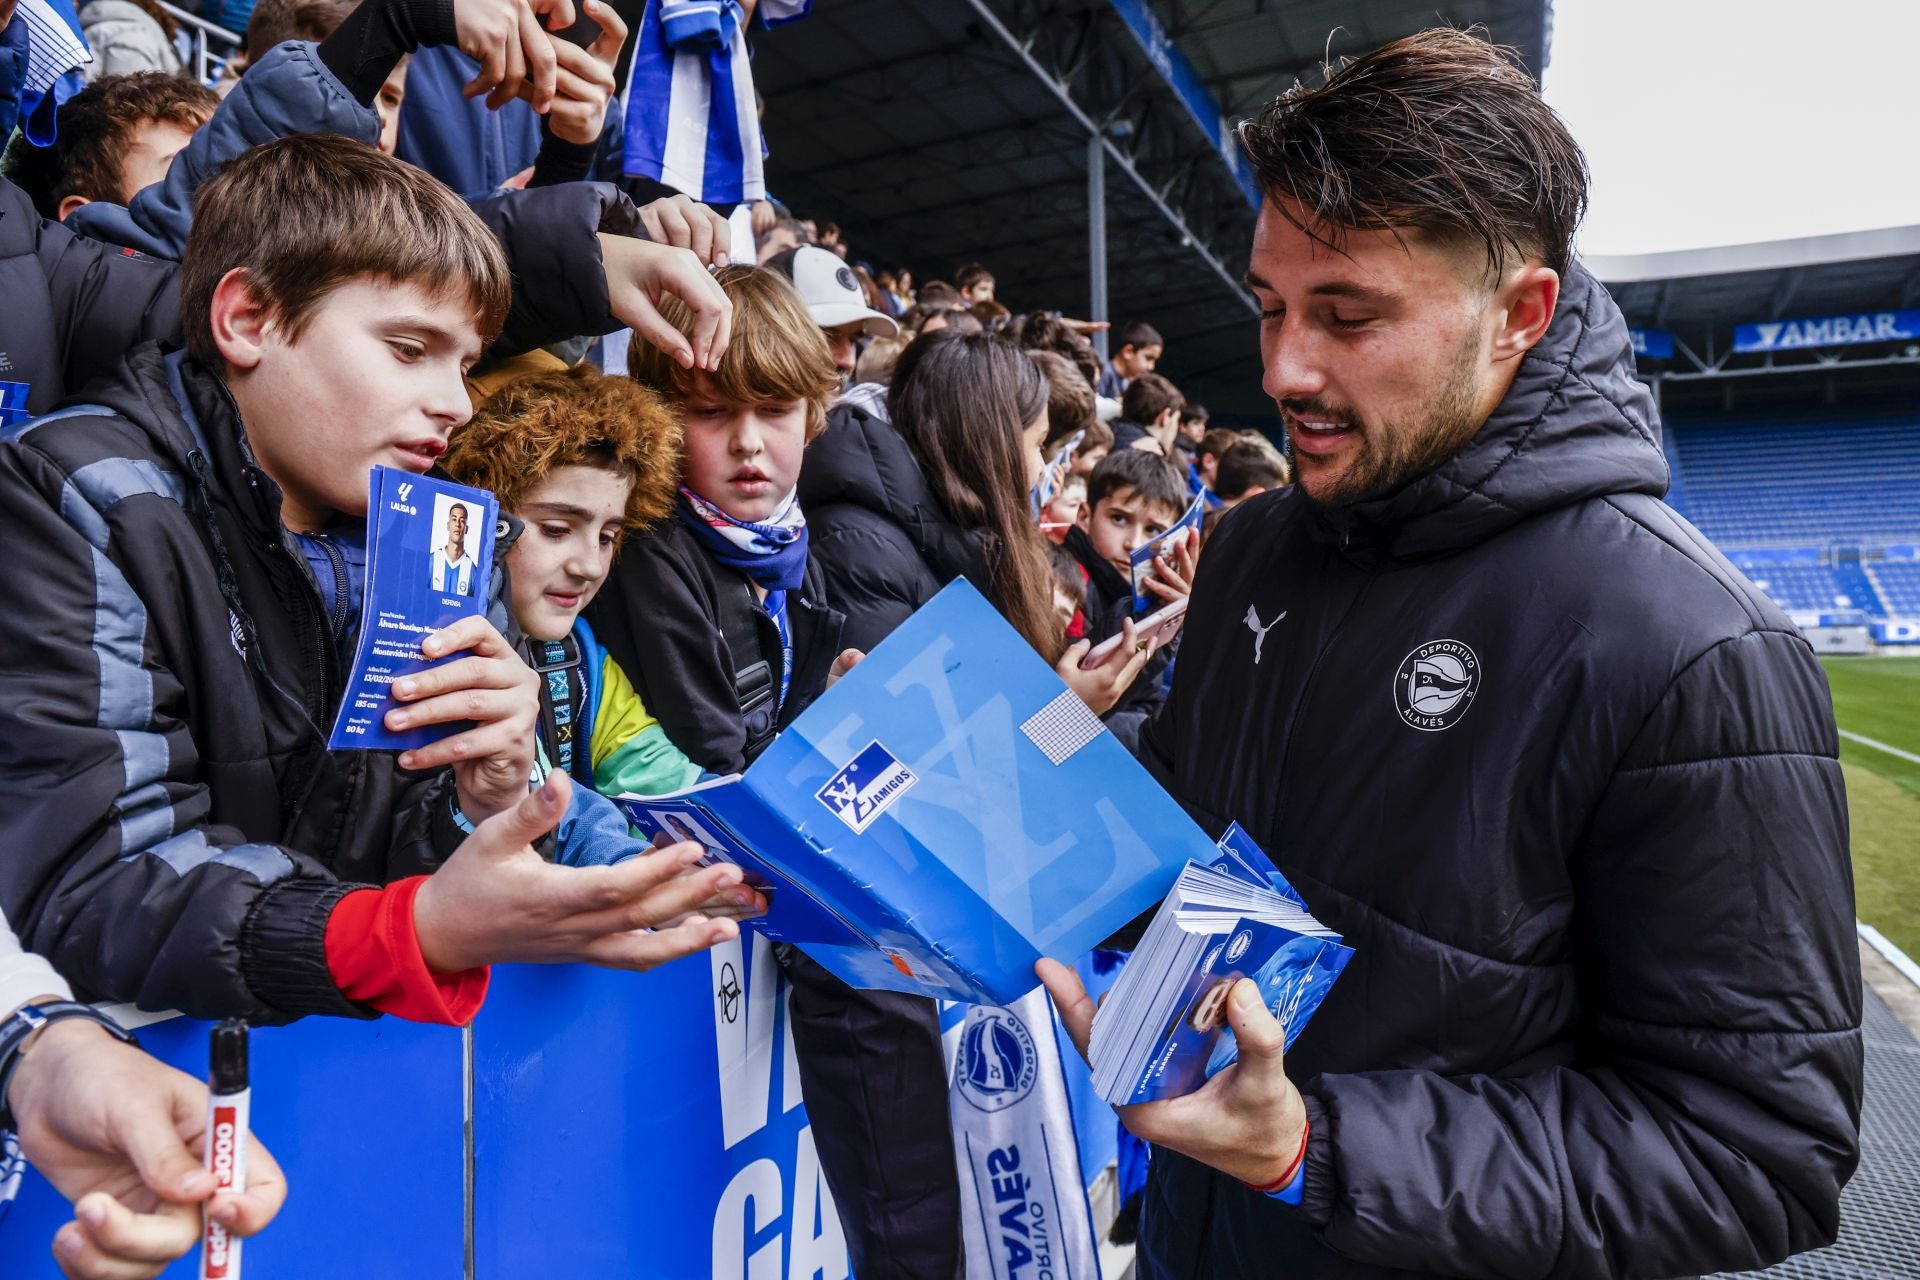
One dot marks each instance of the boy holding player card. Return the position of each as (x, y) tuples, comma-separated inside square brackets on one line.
[(182, 835)]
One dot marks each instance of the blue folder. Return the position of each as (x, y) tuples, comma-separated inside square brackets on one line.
[(944, 816)]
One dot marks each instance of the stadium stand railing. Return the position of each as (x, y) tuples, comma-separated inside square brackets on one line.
[(213, 46)]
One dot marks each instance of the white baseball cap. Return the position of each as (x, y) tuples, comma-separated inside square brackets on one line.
[(832, 295)]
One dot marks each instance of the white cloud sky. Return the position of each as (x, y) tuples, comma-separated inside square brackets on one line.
[(1713, 122)]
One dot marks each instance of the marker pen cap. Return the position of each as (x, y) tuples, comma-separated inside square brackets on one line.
[(228, 1049)]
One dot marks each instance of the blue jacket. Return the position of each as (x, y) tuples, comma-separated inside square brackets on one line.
[(455, 138), (471, 149), (594, 832), (549, 233)]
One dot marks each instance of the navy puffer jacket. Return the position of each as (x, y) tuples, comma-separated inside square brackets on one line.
[(550, 234)]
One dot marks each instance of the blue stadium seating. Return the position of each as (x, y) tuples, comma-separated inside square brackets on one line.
[(1804, 588), (1748, 485), (1899, 586), (1778, 497)]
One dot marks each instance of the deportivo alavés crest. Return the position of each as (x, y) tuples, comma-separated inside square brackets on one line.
[(1435, 685)]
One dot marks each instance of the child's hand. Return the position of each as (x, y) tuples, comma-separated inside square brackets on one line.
[(584, 84), (516, 58), (497, 901), (493, 759), (639, 273), (738, 902), (1102, 686), (733, 902), (847, 661), (1171, 576), (687, 224)]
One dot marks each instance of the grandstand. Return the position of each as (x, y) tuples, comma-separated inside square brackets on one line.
[(1082, 148), (1789, 381)]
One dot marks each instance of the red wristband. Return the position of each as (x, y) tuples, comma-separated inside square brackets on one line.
[(1306, 1131)]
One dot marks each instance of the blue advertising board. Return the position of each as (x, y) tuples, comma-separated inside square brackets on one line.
[(1827, 331), (1655, 344), (624, 1125), (647, 1125), (365, 1117)]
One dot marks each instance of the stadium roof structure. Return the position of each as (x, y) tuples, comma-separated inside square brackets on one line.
[(1082, 149), (1702, 296), (1251, 51)]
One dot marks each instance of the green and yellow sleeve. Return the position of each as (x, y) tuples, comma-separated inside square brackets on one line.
[(631, 752)]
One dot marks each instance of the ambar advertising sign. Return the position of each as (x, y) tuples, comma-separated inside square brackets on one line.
[(1827, 331)]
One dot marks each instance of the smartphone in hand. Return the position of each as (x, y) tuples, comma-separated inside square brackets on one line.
[(1157, 629)]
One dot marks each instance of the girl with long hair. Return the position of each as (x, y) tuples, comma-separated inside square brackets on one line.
[(899, 510)]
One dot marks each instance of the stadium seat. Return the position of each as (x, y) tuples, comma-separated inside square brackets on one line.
[(1747, 485), (1777, 497)]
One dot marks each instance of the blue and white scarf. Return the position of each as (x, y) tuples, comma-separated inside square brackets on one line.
[(692, 122), (773, 555)]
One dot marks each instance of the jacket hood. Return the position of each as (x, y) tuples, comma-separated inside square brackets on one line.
[(861, 460), (1576, 424)]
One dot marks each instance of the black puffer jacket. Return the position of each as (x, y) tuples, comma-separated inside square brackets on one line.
[(877, 530), (74, 306), (173, 829), (1567, 783), (660, 617)]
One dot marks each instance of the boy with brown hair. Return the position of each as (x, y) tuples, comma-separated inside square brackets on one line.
[(194, 596), (975, 284), (1149, 415), (115, 137), (1246, 469), (1095, 444), (1139, 351), (1070, 406), (1207, 454), (721, 618), (734, 558), (1132, 498)]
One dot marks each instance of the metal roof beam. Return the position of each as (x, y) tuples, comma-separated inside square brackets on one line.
[(1120, 160), (1011, 154)]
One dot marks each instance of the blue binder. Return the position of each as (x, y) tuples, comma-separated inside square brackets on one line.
[(944, 816)]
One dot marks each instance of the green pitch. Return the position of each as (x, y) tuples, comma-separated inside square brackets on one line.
[(1879, 698)]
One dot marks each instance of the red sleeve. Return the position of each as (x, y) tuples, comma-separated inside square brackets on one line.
[(374, 957)]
